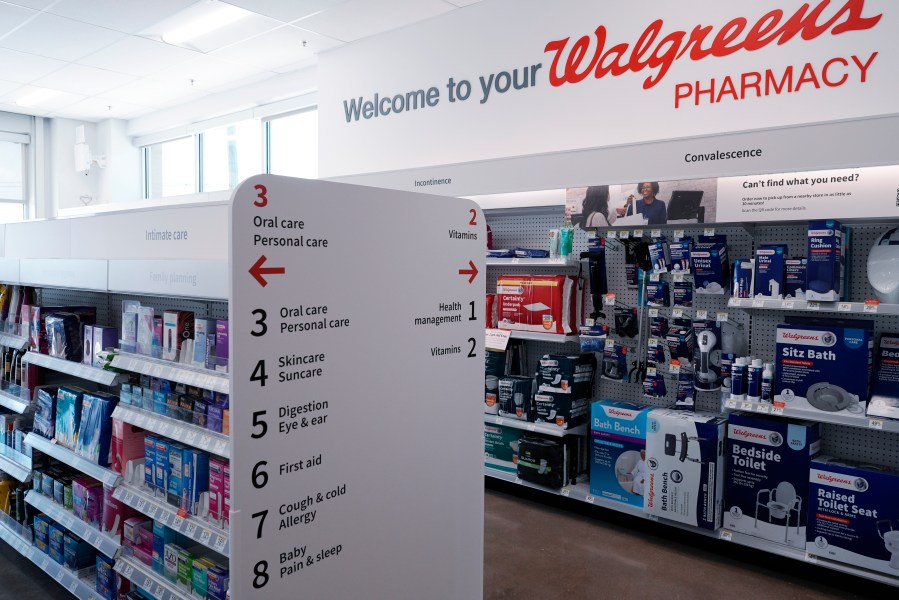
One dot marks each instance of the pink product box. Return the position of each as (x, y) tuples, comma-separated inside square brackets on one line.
[(127, 444), (216, 487), (142, 555), (139, 534), (227, 484), (87, 500), (114, 513)]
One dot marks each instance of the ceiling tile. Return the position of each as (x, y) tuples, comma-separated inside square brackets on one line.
[(12, 17), (8, 86), (8, 106), (19, 66), (286, 10), (58, 37), (55, 102), (248, 27), (284, 46), (361, 18), (80, 79), (461, 3), (99, 108), (151, 92), (207, 72), (127, 17), (138, 56), (35, 4)]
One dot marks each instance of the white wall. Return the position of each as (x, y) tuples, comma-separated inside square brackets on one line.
[(69, 188), (120, 181)]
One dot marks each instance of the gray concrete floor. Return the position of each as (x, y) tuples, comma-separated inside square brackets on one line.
[(537, 551)]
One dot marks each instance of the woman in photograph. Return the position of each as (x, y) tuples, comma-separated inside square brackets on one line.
[(595, 207)]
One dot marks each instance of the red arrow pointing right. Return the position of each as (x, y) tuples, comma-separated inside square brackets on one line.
[(473, 271), (257, 271)]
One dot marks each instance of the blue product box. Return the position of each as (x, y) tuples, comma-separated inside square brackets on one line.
[(42, 533), (658, 255), (68, 415), (825, 260), (679, 252), (683, 293), (162, 535), (794, 278), (823, 365), (57, 533), (95, 427), (217, 582), (885, 388), (106, 578), (45, 412), (617, 451), (150, 461), (78, 553), (770, 270), (743, 272), (853, 516), (161, 470), (710, 267), (195, 478), (766, 492), (685, 467), (176, 470)]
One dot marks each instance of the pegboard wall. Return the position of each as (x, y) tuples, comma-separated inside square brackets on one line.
[(754, 329)]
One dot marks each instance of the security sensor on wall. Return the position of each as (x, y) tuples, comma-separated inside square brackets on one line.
[(83, 157)]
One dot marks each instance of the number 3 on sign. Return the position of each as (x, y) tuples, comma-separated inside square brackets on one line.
[(261, 192)]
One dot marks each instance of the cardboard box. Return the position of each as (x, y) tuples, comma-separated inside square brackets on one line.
[(618, 451), (540, 303)]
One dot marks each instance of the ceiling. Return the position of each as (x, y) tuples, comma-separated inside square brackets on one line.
[(106, 59)]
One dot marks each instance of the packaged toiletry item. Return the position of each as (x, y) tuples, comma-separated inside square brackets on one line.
[(681, 340), (794, 278), (177, 325), (185, 569), (77, 554), (683, 293), (658, 255), (657, 293), (823, 365), (127, 444), (711, 269), (614, 361), (200, 574), (540, 303), (573, 374), (162, 536), (68, 415), (114, 513), (194, 478), (658, 327), (216, 487), (176, 474), (106, 578), (87, 339), (738, 378), (825, 260), (885, 387), (516, 398), (554, 248), (684, 456), (768, 384), (226, 486), (95, 428), (618, 469), (42, 533), (221, 345), (45, 411), (170, 561), (145, 330), (150, 461), (57, 533), (103, 338), (686, 390), (679, 253), (553, 463), (853, 516), (217, 578), (161, 464), (129, 325), (202, 328), (563, 409), (766, 490), (566, 240), (87, 500), (754, 380), (654, 384), (743, 274), (770, 270)]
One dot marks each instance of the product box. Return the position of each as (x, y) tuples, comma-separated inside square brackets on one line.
[(618, 451), (42, 533), (77, 554), (743, 277), (853, 516), (176, 474), (87, 338), (217, 578), (500, 444), (766, 490), (770, 270), (540, 303), (45, 412), (200, 577), (185, 569), (194, 479), (885, 387), (216, 487), (679, 252), (161, 466), (114, 513), (68, 415), (145, 330), (170, 561), (87, 500), (202, 328), (561, 409), (553, 463), (226, 485), (823, 365), (685, 466), (57, 533), (516, 398), (150, 461), (221, 345), (568, 374), (177, 325), (794, 278), (127, 444), (106, 578), (711, 270), (95, 427), (103, 338), (162, 535), (825, 260)]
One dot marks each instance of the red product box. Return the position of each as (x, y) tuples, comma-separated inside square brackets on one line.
[(227, 484), (538, 303), (127, 444), (216, 487)]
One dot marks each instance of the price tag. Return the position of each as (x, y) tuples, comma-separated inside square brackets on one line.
[(875, 424), (625, 234), (129, 497), (653, 342), (655, 277), (758, 303), (813, 305), (207, 535), (656, 233), (653, 312), (566, 492), (733, 302), (727, 535), (220, 448), (674, 368), (73, 586), (177, 523), (164, 429), (205, 442), (148, 583), (152, 511), (652, 517), (158, 591), (763, 408), (811, 558), (787, 304), (677, 276), (165, 517), (68, 522), (517, 480), (609, 300), (709, 231), (191, 528), (532, 427), (44, 564), (777, 410), (678, 234), (638, 233), (59, 574), (844, 307), (220, 543), (722, 317), (590, 499), (499, 420), (651, 372), (746, 406), (610, 344), (870, 308), (141, 504), (192, 437), (611, 234), (677, 312), (127, 571), (702, 314)]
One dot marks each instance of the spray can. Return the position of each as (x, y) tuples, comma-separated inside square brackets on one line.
[(754, 380), (768, 384)]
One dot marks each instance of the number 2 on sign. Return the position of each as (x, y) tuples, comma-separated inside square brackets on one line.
[(474, 216), (261, 192)]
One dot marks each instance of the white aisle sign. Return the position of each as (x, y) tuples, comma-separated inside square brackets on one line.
[(357, 324)]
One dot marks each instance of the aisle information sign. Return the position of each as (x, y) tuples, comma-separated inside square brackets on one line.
[(357, 358)]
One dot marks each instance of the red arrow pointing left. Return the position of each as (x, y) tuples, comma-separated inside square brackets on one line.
[(257, 271), (473, 271)]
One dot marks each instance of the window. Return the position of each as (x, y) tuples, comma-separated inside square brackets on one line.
[(230, 154), (170, 168), (12, 181), (293, 145)]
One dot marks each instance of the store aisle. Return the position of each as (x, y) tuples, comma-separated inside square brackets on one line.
[(20, 579), (534, 551)]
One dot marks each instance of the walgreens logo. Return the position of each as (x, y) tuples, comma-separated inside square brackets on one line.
[(656, 49), (617, 412), (831, 478), (748, 435)]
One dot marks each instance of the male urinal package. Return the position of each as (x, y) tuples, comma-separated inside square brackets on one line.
[(685, 467), (766, 490)]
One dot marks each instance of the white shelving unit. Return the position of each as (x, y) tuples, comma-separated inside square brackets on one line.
[(195, 528), (186, 433), (544, 428), (852, 308), (555, 338), (861, 421), (561, 261), (149, 580), (16, 400), (103, 542), (17, 342), (74, 369), (62, 454), (15, 463), (164, 369)]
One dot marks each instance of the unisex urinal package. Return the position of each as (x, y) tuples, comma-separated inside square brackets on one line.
[(853, 515), (711, 270), (823, 365), (825, 261), (766, 490), (618, 451), (885, 388), (685, 467)]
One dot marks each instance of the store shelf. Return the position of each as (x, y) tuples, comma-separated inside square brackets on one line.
[(107, 476), (152, 582), (556, 338), (81, 371), (561, 261), (16, 342), (164, 369), (544, 428), (15, 463), (89, 533), (84, 589), (15, 398), (860, 421), (186, 433), (158, 509), (813, 306)]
